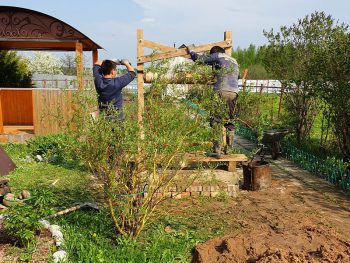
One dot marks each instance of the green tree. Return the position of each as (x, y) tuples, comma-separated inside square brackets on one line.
[(14, 70), (333, 84), (68, 65), (250, 59), (45, 63), (289, 55)]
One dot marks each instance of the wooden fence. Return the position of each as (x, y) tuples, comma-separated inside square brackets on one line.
[(44, 109)]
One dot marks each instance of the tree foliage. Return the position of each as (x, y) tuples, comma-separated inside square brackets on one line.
[(136, 165), (14, 70), (45, 63), (250, 58), (289, 55)]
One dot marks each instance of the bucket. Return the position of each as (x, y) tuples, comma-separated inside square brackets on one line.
[(256, 175)]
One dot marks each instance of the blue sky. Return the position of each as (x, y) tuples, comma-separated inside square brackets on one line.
[(112, 24)]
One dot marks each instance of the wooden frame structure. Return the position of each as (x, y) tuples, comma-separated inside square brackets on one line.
[(25, 29), (164, 53)]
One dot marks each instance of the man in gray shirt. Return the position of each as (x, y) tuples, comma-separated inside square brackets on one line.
[(227, 74)]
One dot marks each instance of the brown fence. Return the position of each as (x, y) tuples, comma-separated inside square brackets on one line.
[(52, 109), (17, 107), (45, 109)]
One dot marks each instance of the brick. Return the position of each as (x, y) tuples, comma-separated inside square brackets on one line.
[(172, 189), (176, 195), (214, 188), (232, 194), (232, 187), (196, 188), (195, 194), (185, 194), (206, 188), (205, 193), (214, 194)]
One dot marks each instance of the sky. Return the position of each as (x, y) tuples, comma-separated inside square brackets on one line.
[(113, 24)]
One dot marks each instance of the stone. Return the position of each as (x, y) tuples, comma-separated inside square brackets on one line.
[(25, 194), (45, 223), (56, 234), (59, 256), (9, 199), (39, 158)]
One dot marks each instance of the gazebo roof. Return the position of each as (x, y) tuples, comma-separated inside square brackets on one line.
[(25, 29)]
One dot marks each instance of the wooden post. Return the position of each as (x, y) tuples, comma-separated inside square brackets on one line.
[(140, 82), (228, 51), (79, 64), (280, 102), (94, 56), (1, 118), (228, 39)]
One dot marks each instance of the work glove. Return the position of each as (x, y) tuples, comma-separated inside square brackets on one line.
[(116, 61), (124, 62), (190, 48)]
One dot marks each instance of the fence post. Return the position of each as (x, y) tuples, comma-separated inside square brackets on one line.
[(1, 118), (280, 102)]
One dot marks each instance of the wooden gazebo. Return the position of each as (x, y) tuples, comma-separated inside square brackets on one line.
[(25, 29)]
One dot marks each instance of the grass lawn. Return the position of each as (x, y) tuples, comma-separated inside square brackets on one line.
[(89, 235)]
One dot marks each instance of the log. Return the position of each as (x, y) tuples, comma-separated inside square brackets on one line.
[(179, 78)]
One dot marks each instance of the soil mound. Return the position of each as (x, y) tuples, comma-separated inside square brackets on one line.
[(308, 244)]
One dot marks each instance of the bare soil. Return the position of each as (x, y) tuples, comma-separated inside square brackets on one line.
[(300, 218), (9, 252)]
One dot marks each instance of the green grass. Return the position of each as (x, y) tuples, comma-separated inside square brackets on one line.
[(89, 235)]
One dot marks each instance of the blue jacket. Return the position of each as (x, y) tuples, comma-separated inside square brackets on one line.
[(109, 90), (227, 67)]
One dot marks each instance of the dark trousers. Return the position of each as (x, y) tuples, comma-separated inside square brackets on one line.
[(230, 98)]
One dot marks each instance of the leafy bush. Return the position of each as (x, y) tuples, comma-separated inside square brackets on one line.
[(49, 146), (22, 218), (14, 70)]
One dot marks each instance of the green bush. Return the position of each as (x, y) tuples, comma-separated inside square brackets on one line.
[(22, 218), (49, 146)]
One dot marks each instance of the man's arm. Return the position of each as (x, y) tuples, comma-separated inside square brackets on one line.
[(206, 59), (128, 77)]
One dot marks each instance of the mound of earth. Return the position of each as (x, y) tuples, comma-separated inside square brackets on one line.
[(308, 244)]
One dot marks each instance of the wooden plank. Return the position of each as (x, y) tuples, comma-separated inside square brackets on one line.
[(94, 56), (224, 158), (228, 38), (157, 46), (1, 118), (79, 63), (17, 108), (140, 82), (231, 166), (37, 45), (182, 52)]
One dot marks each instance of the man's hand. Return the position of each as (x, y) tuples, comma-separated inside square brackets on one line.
[(125, 62), (190, 48)]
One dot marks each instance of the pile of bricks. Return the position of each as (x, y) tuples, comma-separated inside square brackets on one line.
[(210, 183)]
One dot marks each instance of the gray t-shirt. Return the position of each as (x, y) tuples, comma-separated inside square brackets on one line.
[(226, 67)]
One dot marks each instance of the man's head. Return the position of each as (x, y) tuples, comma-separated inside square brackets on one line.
[(108, 67), (217, 49)]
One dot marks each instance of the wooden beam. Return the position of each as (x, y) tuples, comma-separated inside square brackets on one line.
[(182, 52), (94, 56), (157, 46), (179, 78), (79, 63), (140, 83), (1, 117), (228, 38)]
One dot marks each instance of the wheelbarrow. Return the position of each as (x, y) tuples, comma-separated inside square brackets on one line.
[(271, 142)]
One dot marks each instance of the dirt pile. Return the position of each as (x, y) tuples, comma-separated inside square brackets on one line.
[(308, 244)]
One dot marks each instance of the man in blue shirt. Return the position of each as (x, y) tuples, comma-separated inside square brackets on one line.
[(109, 87), (227, 74)]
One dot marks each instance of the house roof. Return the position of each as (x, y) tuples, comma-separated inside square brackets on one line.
[(25, 29)]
